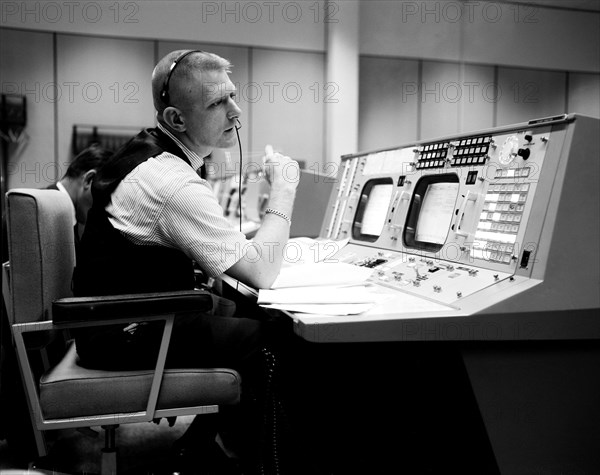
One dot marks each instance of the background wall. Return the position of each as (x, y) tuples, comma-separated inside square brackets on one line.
[(426, 69), (436, 68)]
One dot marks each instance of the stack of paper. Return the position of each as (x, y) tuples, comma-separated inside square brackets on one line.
[(322, 300), (339, 273), (325, 289)]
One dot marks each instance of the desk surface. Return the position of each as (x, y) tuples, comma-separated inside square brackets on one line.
[(388, 323)]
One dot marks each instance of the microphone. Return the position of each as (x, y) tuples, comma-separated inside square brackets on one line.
[(238, 126)]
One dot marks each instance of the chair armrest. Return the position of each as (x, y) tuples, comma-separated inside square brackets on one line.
[(108, 307)]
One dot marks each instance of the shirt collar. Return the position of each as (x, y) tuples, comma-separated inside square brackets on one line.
[(62, 188), (195, 160)]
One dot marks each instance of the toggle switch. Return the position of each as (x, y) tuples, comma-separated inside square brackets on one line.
[(524, 153)]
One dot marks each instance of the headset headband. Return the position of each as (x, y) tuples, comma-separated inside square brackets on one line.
[(164, 93)]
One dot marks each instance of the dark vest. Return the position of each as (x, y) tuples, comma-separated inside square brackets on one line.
[(107, 262)]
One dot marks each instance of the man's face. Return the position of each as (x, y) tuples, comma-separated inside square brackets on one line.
[(211, 111)]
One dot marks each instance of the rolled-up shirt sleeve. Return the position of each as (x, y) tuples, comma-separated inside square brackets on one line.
[(192, 220)]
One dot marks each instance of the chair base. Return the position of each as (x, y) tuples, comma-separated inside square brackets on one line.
[(108, 462)]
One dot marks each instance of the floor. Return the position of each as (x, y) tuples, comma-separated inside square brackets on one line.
[(143, 449)]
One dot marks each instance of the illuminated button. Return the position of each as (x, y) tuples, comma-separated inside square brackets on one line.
[(477, 253), (517, 218), (525, 171)]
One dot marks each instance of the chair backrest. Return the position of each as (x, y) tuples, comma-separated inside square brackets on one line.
[(41, 251)]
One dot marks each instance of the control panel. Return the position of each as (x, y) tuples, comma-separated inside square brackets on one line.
[(460, 220)]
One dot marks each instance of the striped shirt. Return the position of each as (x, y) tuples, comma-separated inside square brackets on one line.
[(163, 201)]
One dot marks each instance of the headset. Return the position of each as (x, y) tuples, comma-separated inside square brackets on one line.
[(164, 97), (164, 93)]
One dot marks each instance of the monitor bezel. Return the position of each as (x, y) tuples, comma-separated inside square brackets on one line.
[(412, 218), (361, 207)]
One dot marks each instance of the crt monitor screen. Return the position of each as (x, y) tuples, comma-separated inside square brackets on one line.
[(372, 209), (431, 211)]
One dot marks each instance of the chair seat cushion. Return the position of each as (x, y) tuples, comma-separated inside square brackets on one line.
[(70, 390)]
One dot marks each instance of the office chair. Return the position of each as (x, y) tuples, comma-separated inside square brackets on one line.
[(37, 289)]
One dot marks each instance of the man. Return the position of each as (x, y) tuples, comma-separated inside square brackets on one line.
[(77, 183), (153, 216)]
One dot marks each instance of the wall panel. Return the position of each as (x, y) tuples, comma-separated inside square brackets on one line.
[(584, 94), (287, 102), (294, 25), (491, 33), (532, 36), (477, 98), (388, 107), (104, 82), (526, 94), (409, 29), (26, 67), (440, 97)]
